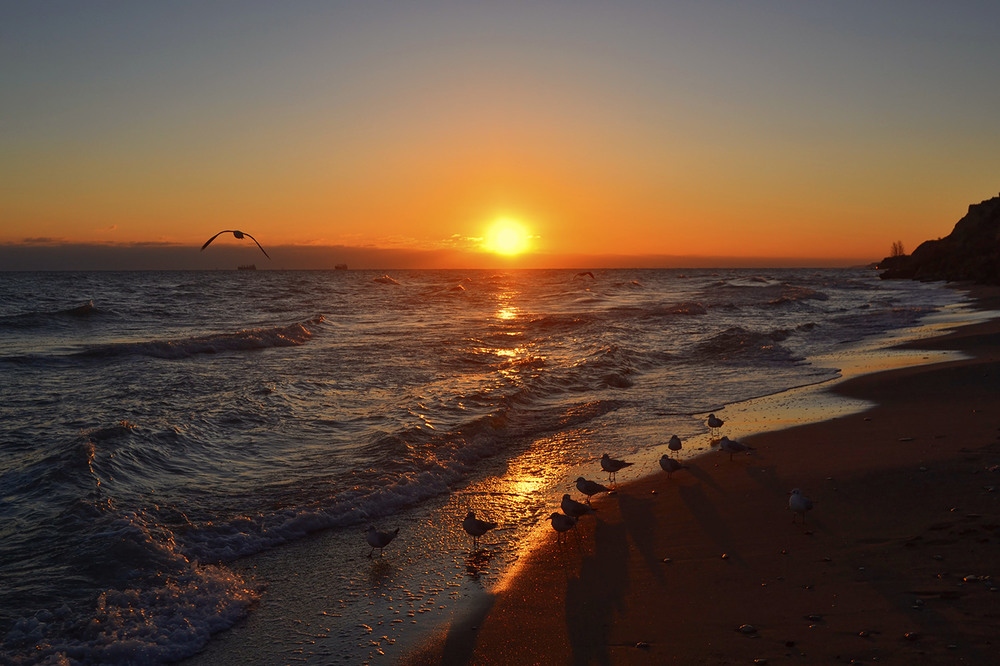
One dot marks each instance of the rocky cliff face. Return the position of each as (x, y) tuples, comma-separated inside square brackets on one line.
[(971, 252)]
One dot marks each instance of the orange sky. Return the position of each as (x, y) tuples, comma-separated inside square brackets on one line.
[(780, 130)]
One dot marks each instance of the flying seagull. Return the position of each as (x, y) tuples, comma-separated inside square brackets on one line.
[(239, 235)]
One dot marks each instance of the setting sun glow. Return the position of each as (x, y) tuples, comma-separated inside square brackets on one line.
[(508, 237)]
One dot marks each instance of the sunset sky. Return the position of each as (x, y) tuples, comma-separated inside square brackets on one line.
[(811, 132)]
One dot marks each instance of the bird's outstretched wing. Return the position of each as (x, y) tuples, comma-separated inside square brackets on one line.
[(227, 231), (238, 234), (258, 244)]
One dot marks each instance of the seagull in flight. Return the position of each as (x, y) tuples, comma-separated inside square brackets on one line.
[(380, 540), (240, 235)]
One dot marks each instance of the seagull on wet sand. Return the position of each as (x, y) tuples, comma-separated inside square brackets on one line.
[(476, 527), (612, 466), (589, 488), (799, 504), (675, 443), (380, 540), (669, 465), (239, 235), (732, 447), (575, 509), (714, 423), (562, 523)]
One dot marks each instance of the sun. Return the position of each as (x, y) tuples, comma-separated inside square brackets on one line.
[(506, 236)]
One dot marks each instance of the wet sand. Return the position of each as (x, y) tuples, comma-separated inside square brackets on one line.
[(897, 562)]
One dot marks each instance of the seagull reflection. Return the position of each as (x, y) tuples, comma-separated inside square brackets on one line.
[(477, 562)]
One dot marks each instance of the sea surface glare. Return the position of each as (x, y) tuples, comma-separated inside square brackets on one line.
[(183, 453)]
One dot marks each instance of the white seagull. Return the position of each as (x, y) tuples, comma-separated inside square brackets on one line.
[(380, 540), (575, 509), (612, 466), (589, 488), (239, 235), (714, 423), (799, 504), (669, 465), (475, 527), (732, 447), (562, 523), (675, 443)]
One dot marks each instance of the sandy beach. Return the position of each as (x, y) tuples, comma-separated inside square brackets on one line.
[(895, 564)]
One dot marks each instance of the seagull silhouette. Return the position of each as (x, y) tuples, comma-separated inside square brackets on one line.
[(380, 540), (613, 466), (669, 465), (588, 487), (799, 504), (239, 235), (476, 527)]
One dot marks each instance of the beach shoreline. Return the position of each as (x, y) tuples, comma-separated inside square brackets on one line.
[(895, 563)]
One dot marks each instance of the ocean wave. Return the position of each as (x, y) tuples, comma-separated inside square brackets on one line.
[(245, 340), (166, 607), (740, 344), (41, 319), (792, 294), (423, 464), (750, 293)]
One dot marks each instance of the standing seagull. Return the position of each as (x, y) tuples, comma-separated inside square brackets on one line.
[(799, 504), (732, 447), (380, 540), (612, 466), (714, 423), (588, 487), (675, 443), (669, 465), (562, 523), (575, 509), (239, 235), (475, 527)]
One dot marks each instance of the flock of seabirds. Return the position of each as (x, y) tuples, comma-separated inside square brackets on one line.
[(572, 510)]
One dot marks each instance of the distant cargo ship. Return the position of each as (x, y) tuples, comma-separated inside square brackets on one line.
[(340, 267), (247, 267)]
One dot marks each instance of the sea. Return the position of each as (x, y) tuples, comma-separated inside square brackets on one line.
[(189, 461)]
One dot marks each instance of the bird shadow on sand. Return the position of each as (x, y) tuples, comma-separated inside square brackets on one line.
[(705, 512), (641, 523), (593, 597), (703, 476)]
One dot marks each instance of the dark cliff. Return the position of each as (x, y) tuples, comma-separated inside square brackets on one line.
[(971, 252)]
